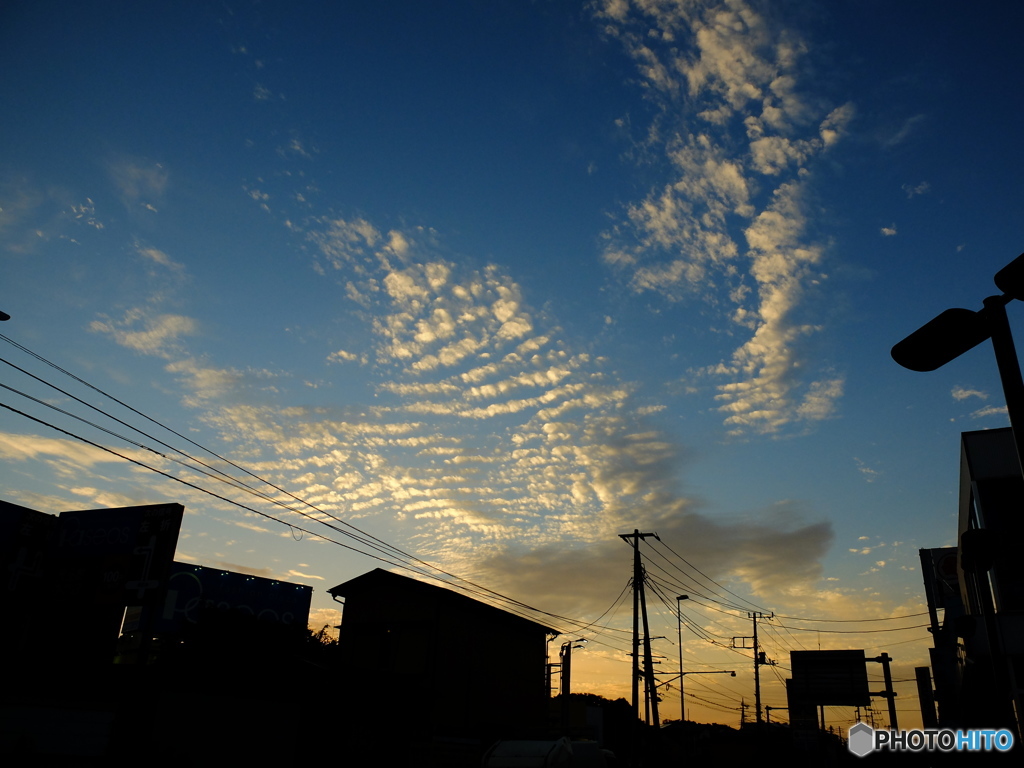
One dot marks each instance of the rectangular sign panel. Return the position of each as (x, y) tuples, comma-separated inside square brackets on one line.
[(120, 556), (830, 677), (193, 589)]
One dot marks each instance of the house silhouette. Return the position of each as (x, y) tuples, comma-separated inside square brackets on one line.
[(458, 670)]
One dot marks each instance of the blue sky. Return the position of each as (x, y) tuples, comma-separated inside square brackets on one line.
[(499, 281)]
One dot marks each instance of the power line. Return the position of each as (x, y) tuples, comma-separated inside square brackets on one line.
[(387, 553), (405, 560), (406, 566), (844, 621), (201, 447), (733, 606), (691, 589), (708, 578), (853, 631)]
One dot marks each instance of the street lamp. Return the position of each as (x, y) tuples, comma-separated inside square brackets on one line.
[(679, 622), (953, 332)]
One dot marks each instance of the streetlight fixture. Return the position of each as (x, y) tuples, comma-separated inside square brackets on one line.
[(953, 332)]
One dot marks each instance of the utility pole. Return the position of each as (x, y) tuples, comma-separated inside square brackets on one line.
[(640, 609), (682, 675), (549, 666), (759, 659), (650, 684), (565, 654), (888, 693)]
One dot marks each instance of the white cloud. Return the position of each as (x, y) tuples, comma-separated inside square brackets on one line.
[(835, 125), (765, 393), (433, 322), (772, 155), (85, 213), (104, 498), (962, 393), (341, 356), (347, 243), (991, 410), (14, 447), (870, 475), (903, 132), (889, 231), (157, 256), (147, 333), (916, 189), (205, 382), (300, 575), (140, 182), (681, 240)]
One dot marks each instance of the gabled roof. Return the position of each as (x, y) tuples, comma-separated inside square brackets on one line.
[(381, 582)]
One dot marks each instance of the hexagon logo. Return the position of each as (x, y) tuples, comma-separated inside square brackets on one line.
[(861, 739)]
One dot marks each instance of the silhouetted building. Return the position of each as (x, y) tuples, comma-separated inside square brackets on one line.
[(991, 532), (940, 571), (25, 540), (93, 564), (452, 667), (229, 644)]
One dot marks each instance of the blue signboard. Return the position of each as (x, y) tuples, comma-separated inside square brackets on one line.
[(193, 589)]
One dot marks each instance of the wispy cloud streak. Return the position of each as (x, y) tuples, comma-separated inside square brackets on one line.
[(730, 223)]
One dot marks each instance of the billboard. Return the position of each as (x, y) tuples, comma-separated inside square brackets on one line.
[(116, 557), (830, 677), (193, 589)]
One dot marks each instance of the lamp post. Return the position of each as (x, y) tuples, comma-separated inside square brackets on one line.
[(679, 622), (946, 337)]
